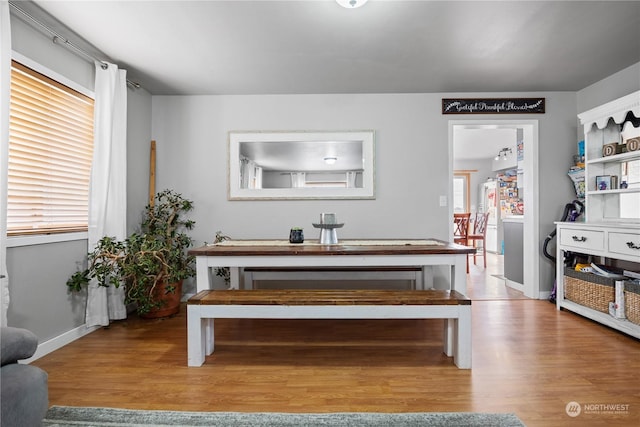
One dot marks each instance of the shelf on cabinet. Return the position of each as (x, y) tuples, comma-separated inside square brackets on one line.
[(614, 191), (616, 158)]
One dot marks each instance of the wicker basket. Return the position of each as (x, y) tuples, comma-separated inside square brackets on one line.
[(589, 289), (632, 302)]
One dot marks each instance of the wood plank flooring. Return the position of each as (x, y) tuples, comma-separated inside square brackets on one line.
[(528, 358)]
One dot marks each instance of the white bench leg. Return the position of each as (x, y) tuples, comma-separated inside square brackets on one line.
[(196, 336), (449, 335), (462, 352)]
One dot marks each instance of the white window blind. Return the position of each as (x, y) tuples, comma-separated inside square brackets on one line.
[(50, 154)]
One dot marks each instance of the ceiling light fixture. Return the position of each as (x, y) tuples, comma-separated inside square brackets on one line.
[(351, 4), (502, 154), (330, 160)]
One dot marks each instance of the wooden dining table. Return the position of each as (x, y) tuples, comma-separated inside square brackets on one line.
[(239, 254)]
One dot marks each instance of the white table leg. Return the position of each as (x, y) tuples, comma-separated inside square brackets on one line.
[(203, 281), (248, 280), (427, 277), (459, 274), (195, 336), (234, 278)]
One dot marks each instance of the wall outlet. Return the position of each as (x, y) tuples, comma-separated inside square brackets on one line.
[(443, 200)]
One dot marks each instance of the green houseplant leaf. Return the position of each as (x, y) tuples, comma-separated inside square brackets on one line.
[(143, 261)]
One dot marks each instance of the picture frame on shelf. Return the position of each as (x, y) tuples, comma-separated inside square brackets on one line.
[(603, 182)]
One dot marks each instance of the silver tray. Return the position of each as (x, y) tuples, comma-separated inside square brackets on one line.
[(327, 225)]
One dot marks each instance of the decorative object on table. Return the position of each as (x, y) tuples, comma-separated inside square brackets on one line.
[(328, 226), (151, 263), (296, 235), (603, 182), (624, 185)]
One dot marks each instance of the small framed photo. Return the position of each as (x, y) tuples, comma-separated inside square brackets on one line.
[(603, 182)]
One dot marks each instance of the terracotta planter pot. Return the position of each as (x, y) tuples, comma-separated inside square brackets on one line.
[(171, 300)]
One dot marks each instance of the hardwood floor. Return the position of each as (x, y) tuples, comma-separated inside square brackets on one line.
[(488, 284), (528, 358)]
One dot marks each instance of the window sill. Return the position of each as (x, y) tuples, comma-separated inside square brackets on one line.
[(42, 239)]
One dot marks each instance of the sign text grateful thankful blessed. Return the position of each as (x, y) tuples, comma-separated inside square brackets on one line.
[(492, 105)]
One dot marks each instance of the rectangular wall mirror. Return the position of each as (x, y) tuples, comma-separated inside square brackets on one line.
[(301, 165)]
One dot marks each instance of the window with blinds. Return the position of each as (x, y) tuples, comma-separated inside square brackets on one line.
[(50, 154)]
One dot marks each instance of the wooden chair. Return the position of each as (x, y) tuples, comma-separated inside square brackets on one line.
[(461, 230), (478, 234)]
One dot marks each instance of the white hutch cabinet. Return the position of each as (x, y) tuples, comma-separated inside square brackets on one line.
[(612, 211)]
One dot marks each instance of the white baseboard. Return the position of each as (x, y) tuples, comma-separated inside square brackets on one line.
[(544, 295), (60, 341), (514, 285)]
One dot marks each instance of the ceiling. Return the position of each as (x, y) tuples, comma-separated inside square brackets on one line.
[(482, 143), (386, 46)]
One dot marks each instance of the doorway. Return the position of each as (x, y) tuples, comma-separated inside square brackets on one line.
[(530, 175)]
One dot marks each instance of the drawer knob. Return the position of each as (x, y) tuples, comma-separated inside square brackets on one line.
[(579, 239), (632, 245)]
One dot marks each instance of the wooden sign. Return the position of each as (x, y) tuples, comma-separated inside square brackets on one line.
[(493, 105), (611, 149), (633, 144)]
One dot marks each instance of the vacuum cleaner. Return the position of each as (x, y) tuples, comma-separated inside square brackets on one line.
[(572, 212)]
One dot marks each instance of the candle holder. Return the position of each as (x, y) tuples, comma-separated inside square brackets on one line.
[(328, 229)]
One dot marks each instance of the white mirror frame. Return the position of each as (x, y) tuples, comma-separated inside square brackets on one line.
[(367, 191)]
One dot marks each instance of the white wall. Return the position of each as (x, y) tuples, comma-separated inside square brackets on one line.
[(622, 83), (411, 161)]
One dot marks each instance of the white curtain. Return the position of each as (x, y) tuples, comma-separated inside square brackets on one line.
[(5, 82), (257, 180), (351, 179), (108, 193), (245, 171), (298, 179), (250, 174)]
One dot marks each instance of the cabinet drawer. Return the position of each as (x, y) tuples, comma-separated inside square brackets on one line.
[(625, 244), (582, 239)]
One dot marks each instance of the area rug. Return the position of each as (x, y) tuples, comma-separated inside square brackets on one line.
[(67, 416)]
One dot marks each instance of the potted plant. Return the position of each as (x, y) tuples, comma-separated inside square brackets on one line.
[(152, 263)]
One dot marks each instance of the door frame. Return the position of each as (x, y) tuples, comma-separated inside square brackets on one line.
[(531, 176)]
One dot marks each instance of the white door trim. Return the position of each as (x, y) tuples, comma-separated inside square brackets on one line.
[(531, 262)]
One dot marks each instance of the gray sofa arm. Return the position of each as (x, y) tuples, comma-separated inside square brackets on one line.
[(16, 344)]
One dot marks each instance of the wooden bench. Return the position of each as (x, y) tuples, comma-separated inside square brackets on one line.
[(411, 273), (207, 305)]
